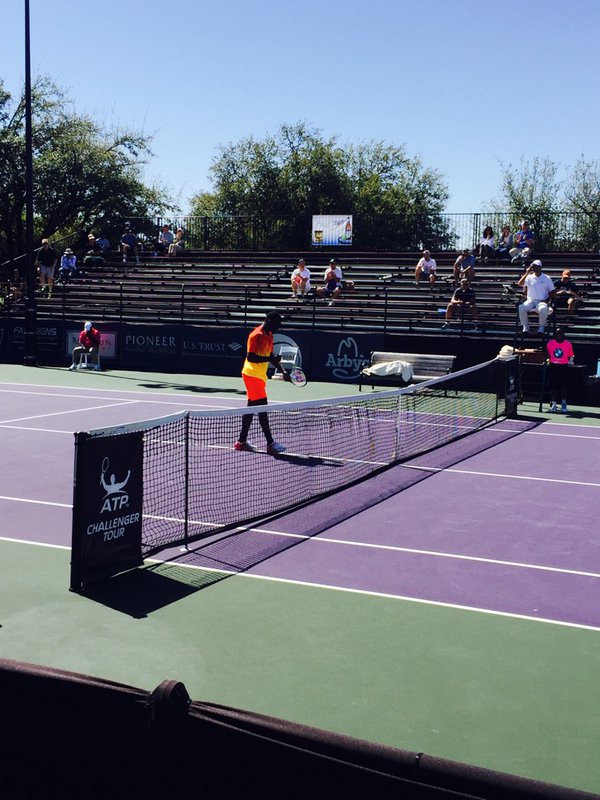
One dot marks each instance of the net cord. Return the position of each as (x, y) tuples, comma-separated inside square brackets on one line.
[(361, 399)]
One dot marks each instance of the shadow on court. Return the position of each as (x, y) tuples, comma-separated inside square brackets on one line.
[(148, 383), (141, 591)]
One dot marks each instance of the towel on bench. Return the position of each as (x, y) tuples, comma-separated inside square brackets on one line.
[(386, 368)]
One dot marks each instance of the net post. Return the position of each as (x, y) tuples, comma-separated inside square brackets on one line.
[(76, 578), (186, 495)]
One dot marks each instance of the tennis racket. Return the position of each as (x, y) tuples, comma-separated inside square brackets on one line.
[(105, 465), (297, 376)]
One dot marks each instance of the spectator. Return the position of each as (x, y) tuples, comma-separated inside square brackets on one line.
[(16, 287), (523, 243), (46, 261), (103, 245), (89, 342), (464, 267), (487, 245), (333, 283), (93, 254), (538, 290), (462, 297), (129, 246), (68, 265), (177, 245), (165, 239), (560, 355), (566, 292), (506, 243), (300, 281), (426, 266)]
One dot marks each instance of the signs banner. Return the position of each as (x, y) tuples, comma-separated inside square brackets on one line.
[(331, 230), (107, 506)]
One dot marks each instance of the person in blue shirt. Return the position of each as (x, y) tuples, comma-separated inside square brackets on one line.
[(464, 266), (523, 243)]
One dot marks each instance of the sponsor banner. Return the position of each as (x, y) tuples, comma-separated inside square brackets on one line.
[(331, 230), (107, 506), (108, 343), (154, 347), (339, 358), (211, 351), (49, 337)]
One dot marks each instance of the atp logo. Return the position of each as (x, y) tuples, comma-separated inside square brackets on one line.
[(115, 497)]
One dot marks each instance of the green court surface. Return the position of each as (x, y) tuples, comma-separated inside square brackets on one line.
[(511, 694)]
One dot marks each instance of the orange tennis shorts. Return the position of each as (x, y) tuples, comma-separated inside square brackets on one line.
[(256, 388)]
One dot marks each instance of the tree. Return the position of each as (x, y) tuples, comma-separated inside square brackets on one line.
[(84, 176), (298, 172)]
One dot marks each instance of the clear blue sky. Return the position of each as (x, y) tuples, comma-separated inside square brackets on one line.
[(462, 83)]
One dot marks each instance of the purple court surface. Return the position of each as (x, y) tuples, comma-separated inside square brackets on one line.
[(511, 530)]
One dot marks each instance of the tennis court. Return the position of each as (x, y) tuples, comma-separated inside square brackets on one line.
[(459, 615)]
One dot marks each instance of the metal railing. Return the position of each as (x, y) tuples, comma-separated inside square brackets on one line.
[(554, 232)]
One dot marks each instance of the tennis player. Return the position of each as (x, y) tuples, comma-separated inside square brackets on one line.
[(254, 374)]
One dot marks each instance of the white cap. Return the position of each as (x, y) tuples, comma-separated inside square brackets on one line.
[(88, 326), (536, 263)]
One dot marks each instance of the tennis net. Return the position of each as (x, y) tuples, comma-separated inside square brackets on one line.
[(144, 487)]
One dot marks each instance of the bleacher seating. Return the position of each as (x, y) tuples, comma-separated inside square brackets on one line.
[(236, 289)]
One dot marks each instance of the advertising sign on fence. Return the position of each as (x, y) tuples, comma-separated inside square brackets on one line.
[(107, 506), (331, 230)]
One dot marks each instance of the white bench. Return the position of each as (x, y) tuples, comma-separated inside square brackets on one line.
[(425, 366)]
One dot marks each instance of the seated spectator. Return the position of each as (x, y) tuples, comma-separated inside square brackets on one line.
[(464, 267), (89, 342), (333, 283), (45, 261), (93, 255), (129, 246), (462, 297), (560, 355), (523, 243), (165, 240), (487, 245), (16, 287), (177, 245), (566, 294), (426, 266), (68, 265), (538, 290), (300, 281), (505, 244), (103, 244)]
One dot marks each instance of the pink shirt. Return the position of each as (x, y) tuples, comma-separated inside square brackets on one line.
[(559, 352)]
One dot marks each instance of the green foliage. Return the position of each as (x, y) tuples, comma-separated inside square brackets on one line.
[(297, 172), (85, 177)]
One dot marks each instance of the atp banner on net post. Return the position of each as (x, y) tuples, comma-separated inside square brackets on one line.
[(107, 506), (331, 230)]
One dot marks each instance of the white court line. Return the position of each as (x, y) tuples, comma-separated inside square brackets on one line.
[(433, 553), (36, 502), (32, 430), (387, 596), (500, 475), (155, 401), (362, 592), (72, 411)]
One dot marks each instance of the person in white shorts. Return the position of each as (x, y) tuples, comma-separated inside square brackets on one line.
[(300, 281), (426, 266), (538, 290)]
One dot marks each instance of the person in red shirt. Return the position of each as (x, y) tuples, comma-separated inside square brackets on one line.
[(254, 374), (560, 355), (89, 342)]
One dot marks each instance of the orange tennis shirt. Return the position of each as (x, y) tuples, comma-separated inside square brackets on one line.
[(261, 344)]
